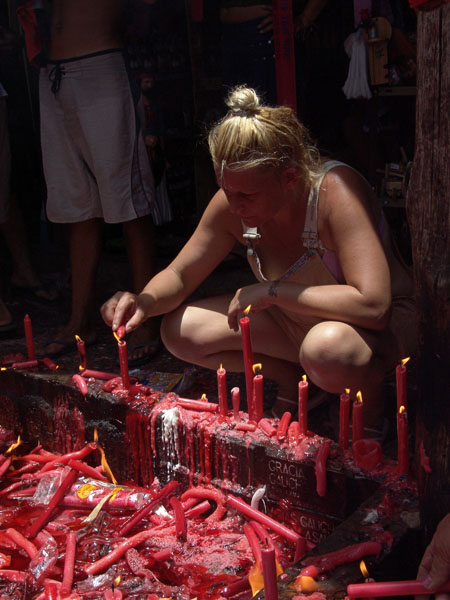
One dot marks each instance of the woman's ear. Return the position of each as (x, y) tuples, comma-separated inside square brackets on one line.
[(290, 177)]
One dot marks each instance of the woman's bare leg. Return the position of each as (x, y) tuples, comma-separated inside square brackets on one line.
[(199, 333), (337, 356)]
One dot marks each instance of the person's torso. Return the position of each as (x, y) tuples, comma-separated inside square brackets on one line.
[(298, 255), (81, 27)]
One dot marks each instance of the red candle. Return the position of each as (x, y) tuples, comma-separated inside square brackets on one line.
[(252, 513), (248, 357), (26, 364), (367, 454), (222, 390), (197, 405), (266, 426), (344, 412), (303, 386), (402, 442), (123, 361), (81, 346), (393, 588), (283, 426), (236, 402), (321, 467), (258, 384), (99, 374), (357, 419), (69, 563), (49, 363), (80, 383), (29, 337), (400, 377), (113, 593), (269, 573)]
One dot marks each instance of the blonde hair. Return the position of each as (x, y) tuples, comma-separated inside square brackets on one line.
[(253, 135)]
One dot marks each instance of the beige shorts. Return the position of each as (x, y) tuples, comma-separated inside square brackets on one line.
[(403, 326), (94, 156)]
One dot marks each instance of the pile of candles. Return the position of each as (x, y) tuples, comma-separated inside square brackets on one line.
[(70, 533)]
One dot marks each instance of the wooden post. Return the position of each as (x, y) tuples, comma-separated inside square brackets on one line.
[(428, 210)]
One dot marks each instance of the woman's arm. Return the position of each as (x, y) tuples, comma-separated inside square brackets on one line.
[(210, 243), (347, 226)]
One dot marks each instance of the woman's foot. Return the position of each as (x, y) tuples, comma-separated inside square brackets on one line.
[(144, 343), (65, 342)]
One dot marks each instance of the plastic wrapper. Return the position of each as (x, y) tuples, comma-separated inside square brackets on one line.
[(44, 560)]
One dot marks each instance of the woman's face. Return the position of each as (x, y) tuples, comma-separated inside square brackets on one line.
[(255, 195)]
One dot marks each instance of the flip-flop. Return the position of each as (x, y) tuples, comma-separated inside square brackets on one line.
[(33, 292), (152, 349), (8, 329), (67, 347)]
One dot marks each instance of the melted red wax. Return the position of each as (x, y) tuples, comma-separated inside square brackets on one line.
[(216, 552)]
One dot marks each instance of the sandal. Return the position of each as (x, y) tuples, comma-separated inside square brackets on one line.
[(316, 398)]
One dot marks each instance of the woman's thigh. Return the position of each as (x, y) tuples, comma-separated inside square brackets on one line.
[(204, 325)]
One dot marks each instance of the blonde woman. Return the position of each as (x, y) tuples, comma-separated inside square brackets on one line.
[(331, 298)]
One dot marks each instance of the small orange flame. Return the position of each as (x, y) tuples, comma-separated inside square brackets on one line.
[(405, 360), (203, 397), (221, 367), (347, 391), (247, 310), (103, 461), (364, 571), (359, 396), (304, 378), (119, 340), (81, 368), (105, 465), (3, 368), (77, 337), (255, 578), (117, 580), (257, 367), (14, 445), (307, 584), (401, 409)]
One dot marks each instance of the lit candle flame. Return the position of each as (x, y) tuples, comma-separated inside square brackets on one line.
[(3, 368), (117, 580), (81, 368), (401, 409), (247, 310), (304, 378), (359, 396), (14, 445), (119, 340), (77, 337), (307, 584), (257, 367), (221, 367), (103, 461), (203, 397), (347, 391), (364, 571), (405, 360)]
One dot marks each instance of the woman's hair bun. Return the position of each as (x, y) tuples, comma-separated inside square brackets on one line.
[(243, 101)]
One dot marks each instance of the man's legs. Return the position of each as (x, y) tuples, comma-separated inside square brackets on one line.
[(85, 247), (140, 241)]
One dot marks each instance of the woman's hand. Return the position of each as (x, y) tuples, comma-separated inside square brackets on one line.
[(434, 568), (125, 308), (255, 295)]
